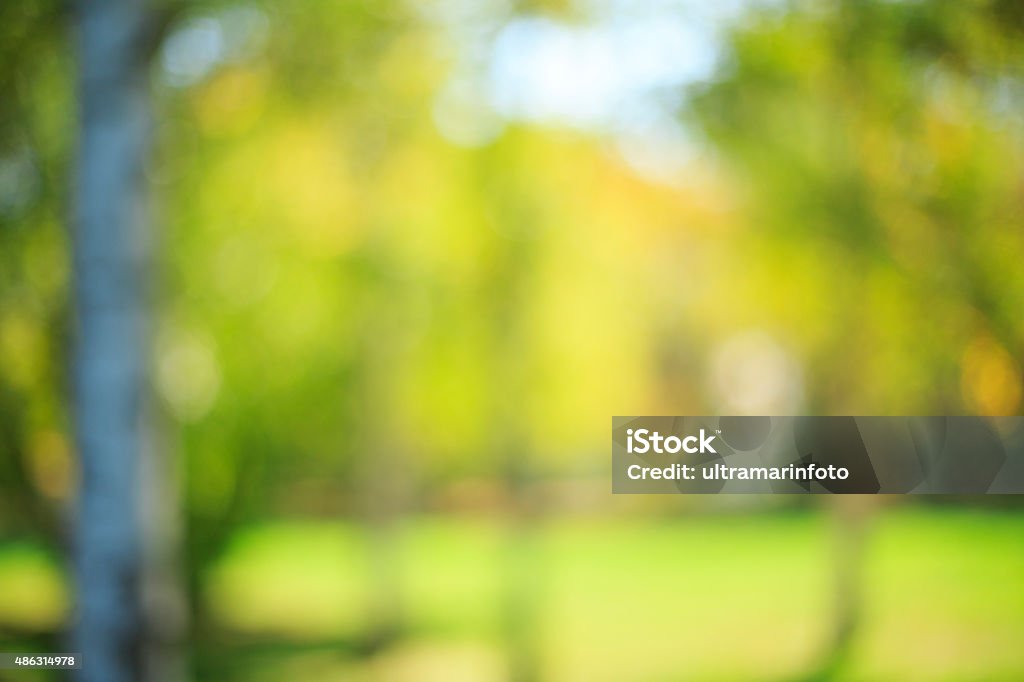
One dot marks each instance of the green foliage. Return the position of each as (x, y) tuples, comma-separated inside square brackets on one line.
[(340, 289), (36, 117), (883, 139)]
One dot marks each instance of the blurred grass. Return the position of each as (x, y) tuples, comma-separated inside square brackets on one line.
[(734, 597)]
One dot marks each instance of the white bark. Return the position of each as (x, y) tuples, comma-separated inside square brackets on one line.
[(110, 264)]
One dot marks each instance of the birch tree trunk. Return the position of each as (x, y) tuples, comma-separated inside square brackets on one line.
[(109, 360)]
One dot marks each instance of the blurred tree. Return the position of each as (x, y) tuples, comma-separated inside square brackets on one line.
[(37, 472), (111, 259), (33, 153), (268, 161), (882, 139)]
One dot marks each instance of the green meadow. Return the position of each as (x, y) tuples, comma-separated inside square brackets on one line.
[(723, 597)]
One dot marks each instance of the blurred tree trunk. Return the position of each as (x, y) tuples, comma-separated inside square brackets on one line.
[(851, 517), (382, 499), (521, 582), (110, 235), (852, 514), (520, 560)]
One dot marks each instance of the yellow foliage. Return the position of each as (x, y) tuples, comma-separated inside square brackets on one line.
[(990, 377)]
